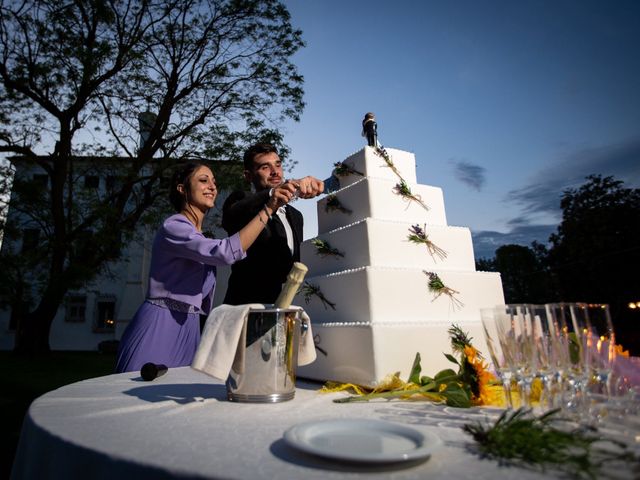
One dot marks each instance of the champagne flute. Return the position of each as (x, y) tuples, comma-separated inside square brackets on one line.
[(559, 356), (570, 320), (515, 332), (600, 343), (499, 356), (544, 351)]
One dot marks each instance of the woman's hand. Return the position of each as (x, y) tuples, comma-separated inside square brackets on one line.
[(281, 195)]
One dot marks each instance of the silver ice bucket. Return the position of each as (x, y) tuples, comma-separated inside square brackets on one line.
[(265, 371)]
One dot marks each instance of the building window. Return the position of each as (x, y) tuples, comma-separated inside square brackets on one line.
[(41, 179), (105, 314), (30, 239), (91, 181), (76, 307), (111, 183)]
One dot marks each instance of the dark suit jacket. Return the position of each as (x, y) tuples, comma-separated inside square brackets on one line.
[(259, 277)]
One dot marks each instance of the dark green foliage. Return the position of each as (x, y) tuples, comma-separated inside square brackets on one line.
[(549, 443), (596, 251), (594, 255), (524, 277)]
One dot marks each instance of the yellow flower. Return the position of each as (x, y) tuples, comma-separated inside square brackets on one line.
[(536, 390), (485, 377), (495, 396), (621, 351), (391, 382)]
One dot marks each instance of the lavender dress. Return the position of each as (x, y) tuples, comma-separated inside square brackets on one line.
[(182, 278)]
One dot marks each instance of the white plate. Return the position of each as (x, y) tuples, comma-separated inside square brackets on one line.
[(362, 440)]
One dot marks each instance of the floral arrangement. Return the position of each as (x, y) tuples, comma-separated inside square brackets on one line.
[(471, 385), (380, 150), (342, 169), (309, 289), (324, 249), (418, 235), (404, 190), (437, 286), (334, 204)]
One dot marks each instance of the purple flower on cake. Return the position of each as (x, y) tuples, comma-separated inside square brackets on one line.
[(323, 248), (343, 169), (387, 158), (437, 286), (309, 289), (334, 204), (418, 235), (403, 189)]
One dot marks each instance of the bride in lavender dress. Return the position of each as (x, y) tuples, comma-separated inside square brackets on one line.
[(182, 276)]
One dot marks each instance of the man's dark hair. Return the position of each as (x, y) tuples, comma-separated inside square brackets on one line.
[(254, 150)]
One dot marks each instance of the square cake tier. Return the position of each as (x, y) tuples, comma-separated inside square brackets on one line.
[(375, 198), (365, 354), (382, 243), (384, 294), (369, 163)]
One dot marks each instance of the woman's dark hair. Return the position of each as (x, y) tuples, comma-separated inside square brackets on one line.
[(182, 176)]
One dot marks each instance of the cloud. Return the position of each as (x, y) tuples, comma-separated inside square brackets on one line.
[(470, 174), (485, 243), (543, 193)]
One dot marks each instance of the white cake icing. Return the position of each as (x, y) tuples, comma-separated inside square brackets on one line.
[(370, 164), (401, 295), (374, 240), (384, 311), (375, 198), (365, 354)]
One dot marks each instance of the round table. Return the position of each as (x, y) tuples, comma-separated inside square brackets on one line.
[(181, 425)]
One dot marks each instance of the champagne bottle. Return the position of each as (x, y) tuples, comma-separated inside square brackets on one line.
[(291, 286)]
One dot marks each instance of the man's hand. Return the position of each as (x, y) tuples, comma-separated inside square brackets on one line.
[(309, 187)]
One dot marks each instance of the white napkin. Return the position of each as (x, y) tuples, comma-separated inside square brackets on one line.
[(224, 335)]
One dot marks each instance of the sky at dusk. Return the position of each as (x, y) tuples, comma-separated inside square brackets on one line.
[(505, 104)]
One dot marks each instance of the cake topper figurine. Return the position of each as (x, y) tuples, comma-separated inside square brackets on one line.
[(370, 129)]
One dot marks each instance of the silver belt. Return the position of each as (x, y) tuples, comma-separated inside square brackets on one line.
[(174, 305)]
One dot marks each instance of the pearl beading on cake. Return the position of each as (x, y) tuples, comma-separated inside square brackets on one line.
[(396, 222), (359, 269)]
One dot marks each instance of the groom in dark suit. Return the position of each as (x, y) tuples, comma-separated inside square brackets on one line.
[(259, 277)]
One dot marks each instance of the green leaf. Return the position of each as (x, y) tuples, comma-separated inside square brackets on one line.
[(456, 396), (424, 380), (390, 395), (445, 375), (414, 376), (451, 358), (430, 385)]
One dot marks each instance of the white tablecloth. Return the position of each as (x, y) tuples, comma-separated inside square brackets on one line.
[(182, 426)]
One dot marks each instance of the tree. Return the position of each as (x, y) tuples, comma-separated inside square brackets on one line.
[(78, 79), (596, 251), (523, 274)]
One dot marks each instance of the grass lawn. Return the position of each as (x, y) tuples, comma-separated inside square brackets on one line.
[(25, 379)]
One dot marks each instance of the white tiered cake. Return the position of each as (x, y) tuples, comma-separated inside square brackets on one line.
[(368, 293)]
